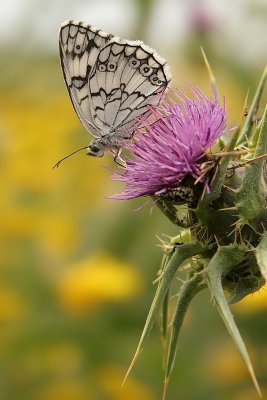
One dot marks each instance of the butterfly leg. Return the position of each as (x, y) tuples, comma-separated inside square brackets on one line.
[(118, 160)]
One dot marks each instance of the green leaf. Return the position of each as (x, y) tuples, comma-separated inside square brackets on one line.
[(245, 286), (221, 263), (219, 179), (246, 131), (250, 196), (261, 256)]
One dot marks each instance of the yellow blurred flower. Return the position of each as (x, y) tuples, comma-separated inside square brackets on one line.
[(65, 390), (250, 394), (253, 303), (61, 359), (12, 305), (35, 132), (110, 379), (224, 364), (58, 236), (97, 279)]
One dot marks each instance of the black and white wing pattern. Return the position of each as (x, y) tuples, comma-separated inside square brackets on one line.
[(79, 45), (127, 77), (111, 81)]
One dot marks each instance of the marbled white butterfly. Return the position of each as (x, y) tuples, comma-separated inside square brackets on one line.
[(111, 82)]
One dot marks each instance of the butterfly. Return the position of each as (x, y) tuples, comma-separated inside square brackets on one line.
[(111, 82)]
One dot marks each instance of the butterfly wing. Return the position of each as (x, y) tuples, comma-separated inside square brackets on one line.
[(126, 78), (79, 46)]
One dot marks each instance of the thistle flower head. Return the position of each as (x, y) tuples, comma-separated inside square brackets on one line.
[(173, 147)]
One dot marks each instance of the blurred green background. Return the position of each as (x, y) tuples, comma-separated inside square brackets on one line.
[(76, 269)]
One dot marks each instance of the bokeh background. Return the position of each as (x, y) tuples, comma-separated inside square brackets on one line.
[(76, 269)]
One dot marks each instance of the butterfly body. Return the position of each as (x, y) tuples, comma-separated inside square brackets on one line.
[(112, 82)]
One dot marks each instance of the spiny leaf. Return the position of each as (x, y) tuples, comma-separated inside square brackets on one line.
[(250, 196), (216, 185), (261, 256), (222, 262)]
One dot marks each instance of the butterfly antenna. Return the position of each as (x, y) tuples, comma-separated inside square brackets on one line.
[(69, 155)]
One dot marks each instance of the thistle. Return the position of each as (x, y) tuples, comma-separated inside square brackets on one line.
[(224, 230), (174, 146)]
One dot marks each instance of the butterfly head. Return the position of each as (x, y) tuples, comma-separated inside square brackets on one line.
[(95, 149)]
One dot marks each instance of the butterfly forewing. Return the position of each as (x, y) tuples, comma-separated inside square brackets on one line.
[(79, 47)]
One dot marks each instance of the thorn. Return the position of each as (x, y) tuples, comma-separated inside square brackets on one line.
[(254, 380), (146, 203), (157, 279), (244, 163), (165, 387), (137, 353), (211, 75), (228, 208), (163, 243), (233, 153), (217, 241)]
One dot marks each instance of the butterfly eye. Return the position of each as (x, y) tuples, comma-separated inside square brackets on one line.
[(111, 66), (155, 80), (134, 63), (94, 150), (102, 67), (146, 70)]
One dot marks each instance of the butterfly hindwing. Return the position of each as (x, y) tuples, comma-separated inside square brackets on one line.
[(127, 77), (79, 48)]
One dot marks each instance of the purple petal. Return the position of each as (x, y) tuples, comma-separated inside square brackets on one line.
[(168, 150)]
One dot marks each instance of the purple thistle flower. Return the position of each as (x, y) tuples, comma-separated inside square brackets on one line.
[(174, 146)]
